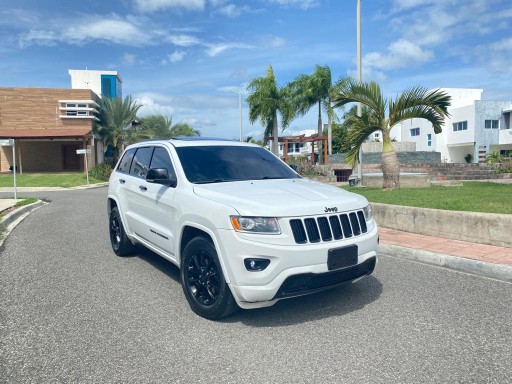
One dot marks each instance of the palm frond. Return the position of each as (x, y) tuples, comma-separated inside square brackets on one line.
[(418, 102), (349, 90), (361, 128)]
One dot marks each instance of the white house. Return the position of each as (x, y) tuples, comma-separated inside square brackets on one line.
[(475, 127), (298, 148)]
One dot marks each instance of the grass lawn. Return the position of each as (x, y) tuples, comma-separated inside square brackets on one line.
[(472, 197), (26, 201), (65, 180)]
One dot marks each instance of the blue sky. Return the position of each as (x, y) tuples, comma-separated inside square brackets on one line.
[(182, 58)]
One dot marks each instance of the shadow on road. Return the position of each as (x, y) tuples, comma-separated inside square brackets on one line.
[(338, 301)]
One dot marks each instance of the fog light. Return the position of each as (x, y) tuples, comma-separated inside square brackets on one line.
[(256, 265)]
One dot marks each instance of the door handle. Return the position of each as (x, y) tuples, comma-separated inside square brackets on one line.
[(122, 181), (143, 188)]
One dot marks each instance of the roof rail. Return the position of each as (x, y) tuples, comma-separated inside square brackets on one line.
[(199, 138)]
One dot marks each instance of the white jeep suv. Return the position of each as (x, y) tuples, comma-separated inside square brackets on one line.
[(243, 227)]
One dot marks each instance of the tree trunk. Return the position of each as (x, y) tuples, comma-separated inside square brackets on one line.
[(329, 128), (390, 164), (320, 131), (275, 136)]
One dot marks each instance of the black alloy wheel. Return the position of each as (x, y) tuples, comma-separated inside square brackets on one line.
[(203, 278), (203, 281), (121, 244), (115, 232)]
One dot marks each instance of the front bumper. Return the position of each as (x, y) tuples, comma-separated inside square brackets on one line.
[(294, 270)]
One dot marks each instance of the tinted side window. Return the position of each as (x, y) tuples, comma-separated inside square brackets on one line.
[(140, 163), (161, 159), (126, 161)]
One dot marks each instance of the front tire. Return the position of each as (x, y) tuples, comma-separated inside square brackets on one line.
[(203, 281), (121, 244)]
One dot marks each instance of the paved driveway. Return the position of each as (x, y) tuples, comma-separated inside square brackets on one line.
[(73, 312)]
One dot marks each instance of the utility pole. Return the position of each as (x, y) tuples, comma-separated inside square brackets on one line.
[(239, 93), (240, 108), (359, 79)]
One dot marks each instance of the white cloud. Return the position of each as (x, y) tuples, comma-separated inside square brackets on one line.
[(158, 5), (497, 55), (183, 40), (114, 30), (408, 4), (304, 4), (199, 123), (274, 42), (48, 38), (152, 107), (129, 59), (400, 54), (504, 44), (87, 29), (176, 56), (232, 10), (215, 49)]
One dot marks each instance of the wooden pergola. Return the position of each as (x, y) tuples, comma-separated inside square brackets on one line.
[(304, 139)]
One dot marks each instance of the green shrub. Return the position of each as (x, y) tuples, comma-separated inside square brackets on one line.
[(101, 171)]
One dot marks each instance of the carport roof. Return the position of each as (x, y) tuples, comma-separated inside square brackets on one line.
[(43, 133)]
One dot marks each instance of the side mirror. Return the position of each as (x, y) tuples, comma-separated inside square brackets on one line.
[(161, 176)]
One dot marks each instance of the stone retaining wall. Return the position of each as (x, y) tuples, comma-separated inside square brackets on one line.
[(484, 228), (404, 157)]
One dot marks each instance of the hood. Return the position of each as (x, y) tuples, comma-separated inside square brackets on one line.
[(281, 198)]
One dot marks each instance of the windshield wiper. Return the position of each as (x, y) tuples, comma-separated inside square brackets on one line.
[(211, 181)]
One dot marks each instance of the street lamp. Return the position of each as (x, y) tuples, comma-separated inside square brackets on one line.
[(359, 79), (239, 93)]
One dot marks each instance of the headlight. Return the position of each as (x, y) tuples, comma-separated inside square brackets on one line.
[(255, 224), (367, 212)]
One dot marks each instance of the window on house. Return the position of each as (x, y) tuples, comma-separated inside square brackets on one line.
[(70, 105), (415, 132), (81, 113), (377, 135), (506, 152), (81, 105), (460, 126), (70, 113), (492, 124), (429, 140)]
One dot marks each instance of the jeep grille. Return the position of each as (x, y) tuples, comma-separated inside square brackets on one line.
[(328, 228)]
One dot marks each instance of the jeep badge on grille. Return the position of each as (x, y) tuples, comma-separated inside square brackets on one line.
[(332, 209)]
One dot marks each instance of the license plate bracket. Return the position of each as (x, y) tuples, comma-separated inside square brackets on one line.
[(342, 257)]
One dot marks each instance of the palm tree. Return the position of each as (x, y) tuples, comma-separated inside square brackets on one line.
[(116, 118), (311, 90), (184, 129), (159, 126), (494, 158), (340, 140), (266, 99), (384, 113)]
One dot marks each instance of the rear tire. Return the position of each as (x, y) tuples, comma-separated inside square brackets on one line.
[(121, 244), (203, 281)]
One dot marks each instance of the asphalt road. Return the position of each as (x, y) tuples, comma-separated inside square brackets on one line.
[(71, 311)]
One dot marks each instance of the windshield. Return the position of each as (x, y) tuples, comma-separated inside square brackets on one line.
[(216, 164)]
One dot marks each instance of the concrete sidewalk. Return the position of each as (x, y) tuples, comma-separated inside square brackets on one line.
[(479, 259)]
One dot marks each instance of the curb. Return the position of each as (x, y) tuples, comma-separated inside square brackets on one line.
[(52, 189), (90, 186), (474, 267), (11, 217)]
